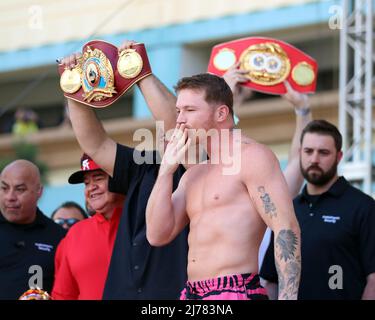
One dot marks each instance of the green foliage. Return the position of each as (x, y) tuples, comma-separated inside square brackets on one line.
[(27, 151)]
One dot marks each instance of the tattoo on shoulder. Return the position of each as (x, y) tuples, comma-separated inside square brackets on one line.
[(268, 205), (286, 242)]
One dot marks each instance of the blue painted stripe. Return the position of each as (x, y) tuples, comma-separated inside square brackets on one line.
[(166, 63), (229, 26), (53, 196)]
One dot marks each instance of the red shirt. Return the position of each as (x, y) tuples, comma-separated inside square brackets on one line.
[(82, 258)]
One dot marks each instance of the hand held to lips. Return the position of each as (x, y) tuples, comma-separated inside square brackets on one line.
[(175, 152)]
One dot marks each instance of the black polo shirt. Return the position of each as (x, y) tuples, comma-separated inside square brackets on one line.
[(137, 270), (22, 246), (337, 229)]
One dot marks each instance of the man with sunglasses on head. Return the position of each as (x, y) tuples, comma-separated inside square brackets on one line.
[(68, 214), (83, 257)]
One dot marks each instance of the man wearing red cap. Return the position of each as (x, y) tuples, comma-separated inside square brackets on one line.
[(83, 257)]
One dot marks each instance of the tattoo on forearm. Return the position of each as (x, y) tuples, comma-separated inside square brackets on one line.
[(286, 241), (269, 207), (288, 264), (293, 269), (281, 278)]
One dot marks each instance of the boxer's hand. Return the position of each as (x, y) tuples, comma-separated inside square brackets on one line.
[(175, 152)]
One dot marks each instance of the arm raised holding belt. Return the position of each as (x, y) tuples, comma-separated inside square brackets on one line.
[(88, 129), (234, 76)]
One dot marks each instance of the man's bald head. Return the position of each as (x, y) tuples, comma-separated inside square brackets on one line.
[(20, 191), (23, 167)]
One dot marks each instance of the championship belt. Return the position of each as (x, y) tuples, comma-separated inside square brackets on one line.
[(35, 294), (103, 74), (269, 62)]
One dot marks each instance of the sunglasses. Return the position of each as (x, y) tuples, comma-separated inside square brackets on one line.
[(69, 222)]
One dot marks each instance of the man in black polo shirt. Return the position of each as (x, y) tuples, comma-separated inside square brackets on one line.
[(28, 239), (337, 225), (137, 270)]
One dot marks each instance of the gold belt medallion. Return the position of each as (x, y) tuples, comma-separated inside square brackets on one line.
[(129, 63), (70, 81), (224, 59), (303, 74), (267, 63)]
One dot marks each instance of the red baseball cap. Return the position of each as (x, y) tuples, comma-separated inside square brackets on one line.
[(87, 164)]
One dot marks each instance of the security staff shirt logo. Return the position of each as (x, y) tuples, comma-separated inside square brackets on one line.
[(330, 219)]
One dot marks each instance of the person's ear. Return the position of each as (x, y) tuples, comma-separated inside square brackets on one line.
[(40, 191), (339, 156), (222, 113)]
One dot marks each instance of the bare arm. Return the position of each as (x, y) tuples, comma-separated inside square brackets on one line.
[(369, 292), (301, 106), (160, 100), (166, 212), (270, 196), (89, 131), (91, 136)]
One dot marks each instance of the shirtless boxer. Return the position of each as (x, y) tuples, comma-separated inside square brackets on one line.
[(227, 214)]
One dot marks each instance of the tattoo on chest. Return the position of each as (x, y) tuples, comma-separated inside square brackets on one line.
[(268, 205)]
